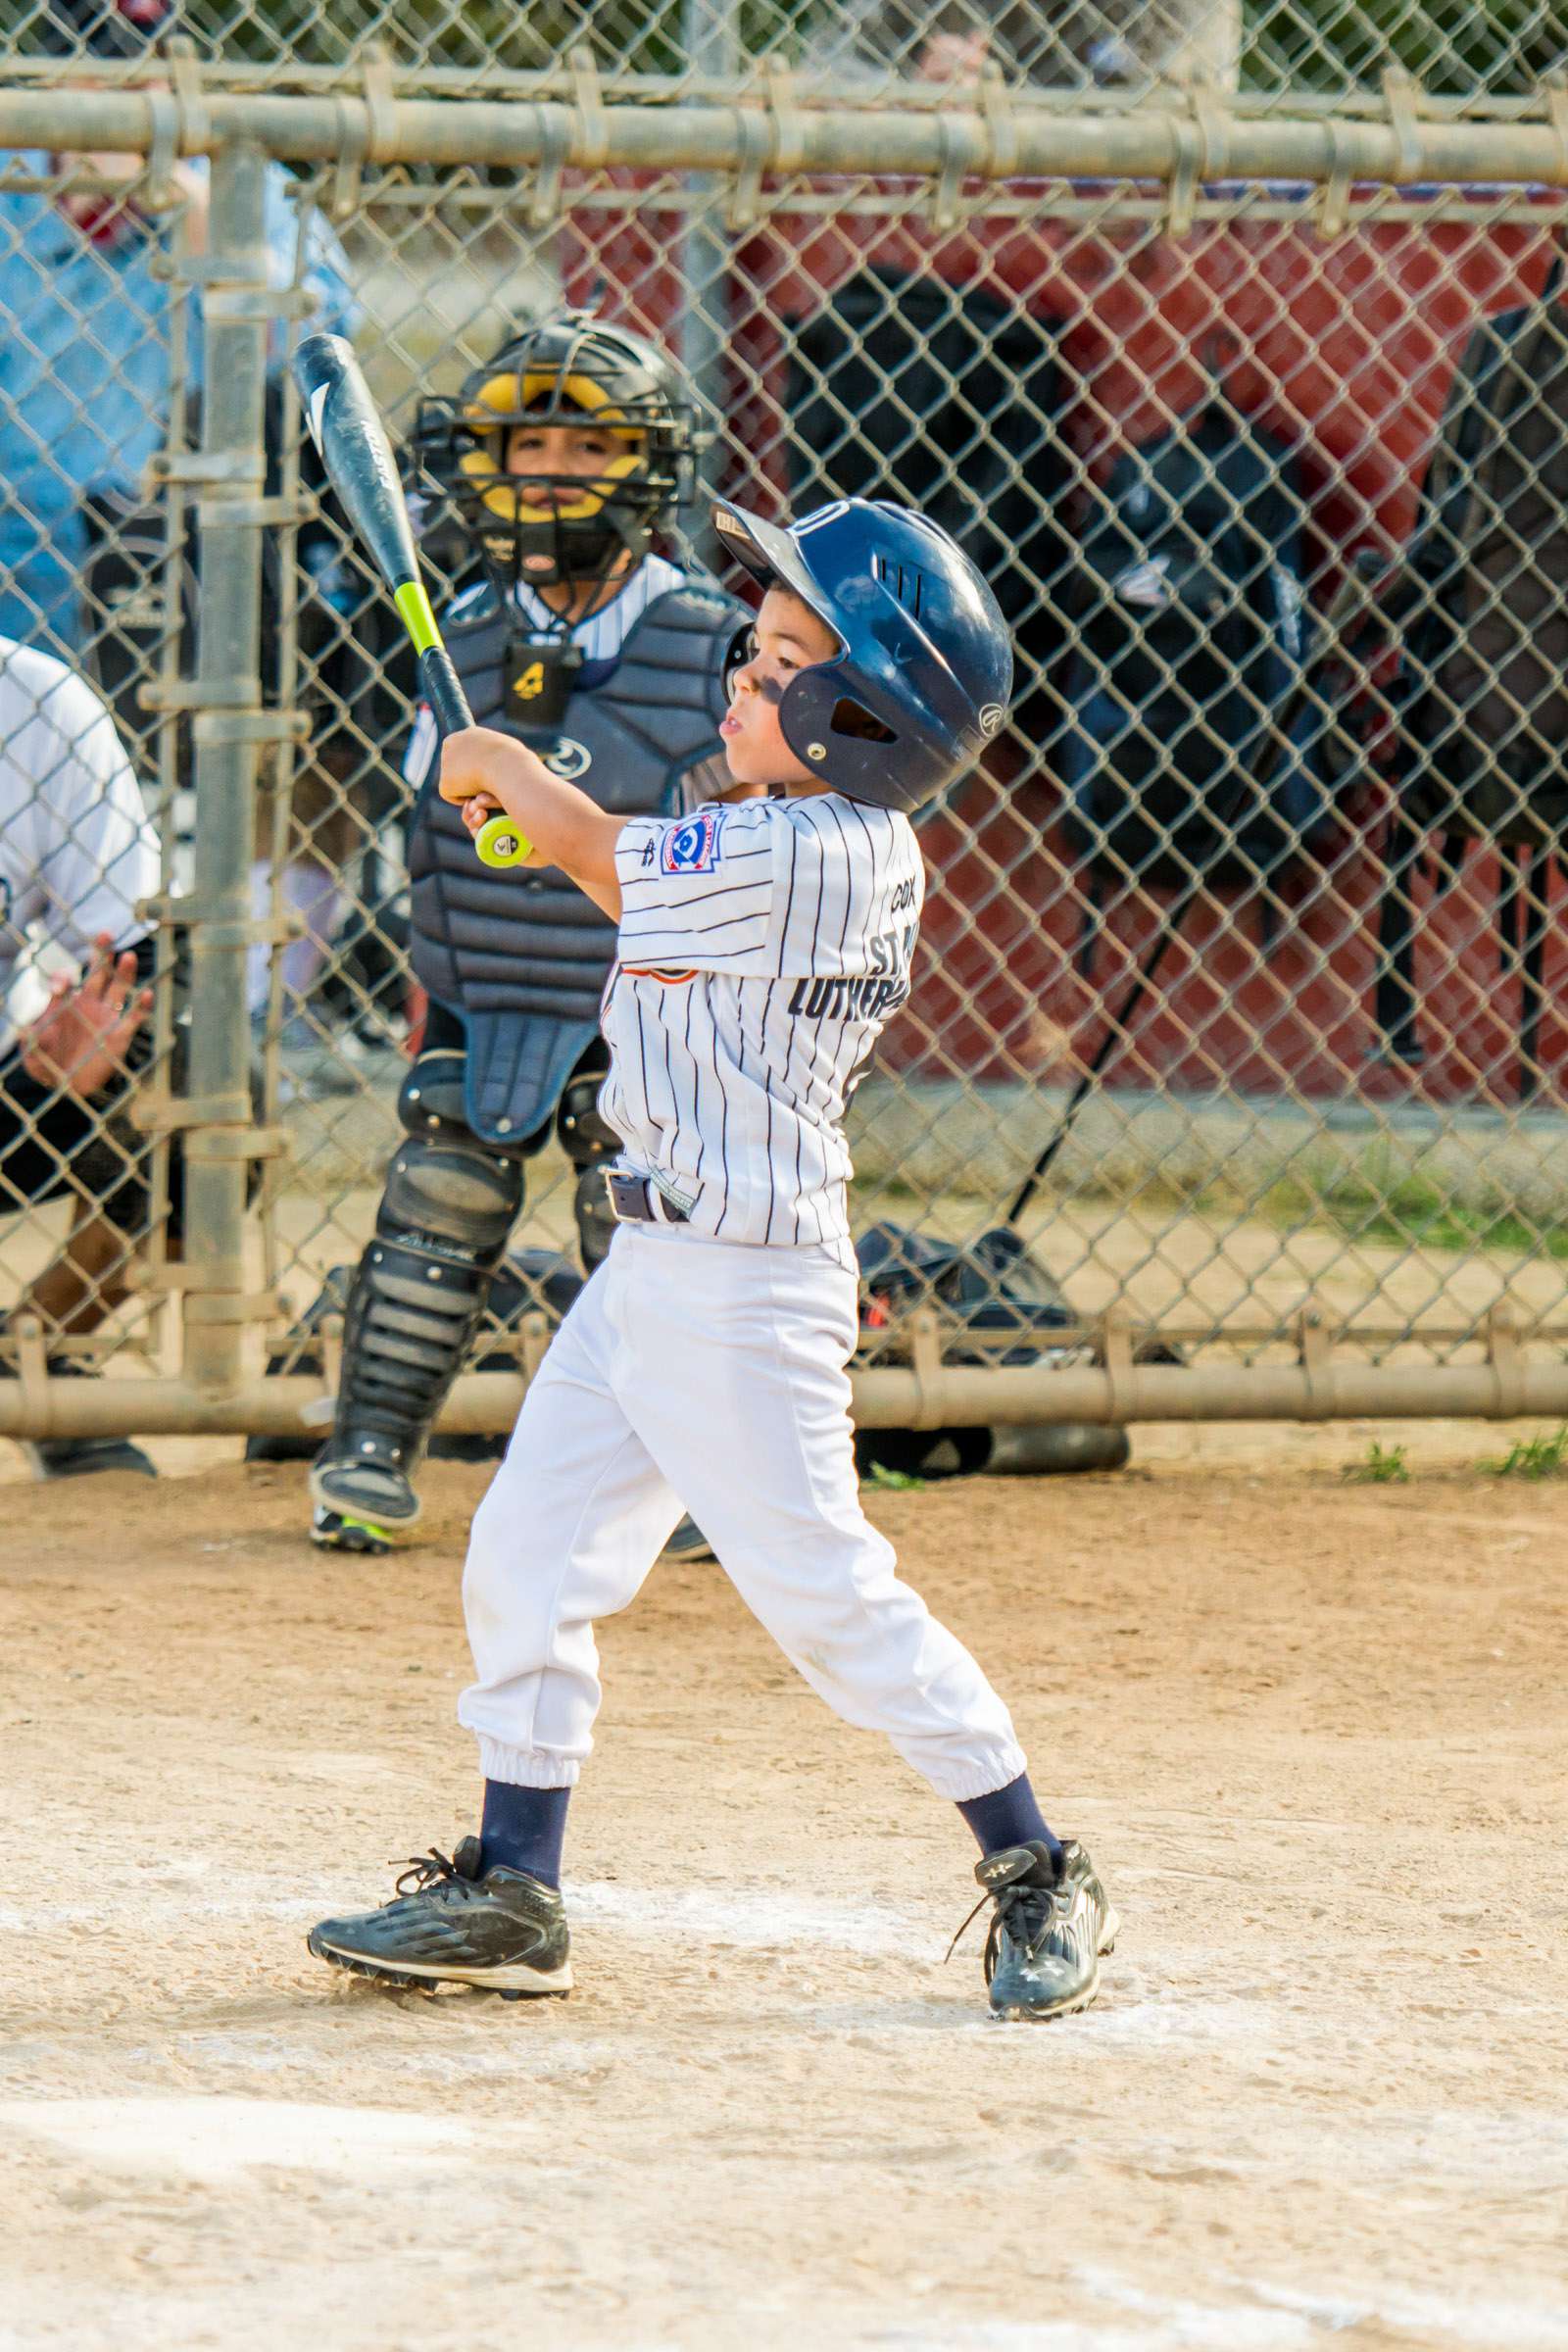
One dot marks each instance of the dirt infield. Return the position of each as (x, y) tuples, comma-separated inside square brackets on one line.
[(1312, 1734)]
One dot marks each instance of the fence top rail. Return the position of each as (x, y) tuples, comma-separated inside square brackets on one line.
[(994, 138), (881, 92)]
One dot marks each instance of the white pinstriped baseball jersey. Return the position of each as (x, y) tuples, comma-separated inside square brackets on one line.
[(762, 948)]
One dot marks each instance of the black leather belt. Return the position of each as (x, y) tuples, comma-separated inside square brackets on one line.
[(632, 1199)]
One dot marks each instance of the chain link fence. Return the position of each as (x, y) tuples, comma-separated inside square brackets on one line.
[(1473, 53), (1238, 1001)]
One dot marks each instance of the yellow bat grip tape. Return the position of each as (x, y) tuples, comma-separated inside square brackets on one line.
[(498, 841), (413, 604)]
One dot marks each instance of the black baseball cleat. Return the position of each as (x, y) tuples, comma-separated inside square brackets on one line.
[(449, 1922), (1048, 1931), (335, 1530), (361, 1505), (49, 1458)]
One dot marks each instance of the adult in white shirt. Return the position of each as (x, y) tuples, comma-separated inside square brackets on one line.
[(78, 853)]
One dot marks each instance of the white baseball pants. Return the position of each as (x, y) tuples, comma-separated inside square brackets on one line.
[(709, 1376)]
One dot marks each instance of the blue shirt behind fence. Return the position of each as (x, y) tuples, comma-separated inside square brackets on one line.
[(84, 377)]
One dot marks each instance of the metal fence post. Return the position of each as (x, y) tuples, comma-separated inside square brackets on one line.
[(711, 45), (227, 727)]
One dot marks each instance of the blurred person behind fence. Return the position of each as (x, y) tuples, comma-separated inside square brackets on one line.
[(951, 40), (85, 389), (78, 853), (84, 361)]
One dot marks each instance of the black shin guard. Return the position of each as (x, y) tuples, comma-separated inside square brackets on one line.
[(415, 1305)]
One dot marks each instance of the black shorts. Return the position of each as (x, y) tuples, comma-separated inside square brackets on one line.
[(51, 1144)]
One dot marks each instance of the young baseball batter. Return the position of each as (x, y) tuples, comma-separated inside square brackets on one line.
[(761, 948)]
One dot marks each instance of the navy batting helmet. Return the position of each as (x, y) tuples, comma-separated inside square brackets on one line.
[(922, 682)]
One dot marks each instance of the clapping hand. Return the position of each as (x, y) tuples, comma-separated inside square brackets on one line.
[(80, 1039)]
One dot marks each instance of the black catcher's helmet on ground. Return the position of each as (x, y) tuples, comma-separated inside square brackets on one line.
[(924, 671), (576, 372)]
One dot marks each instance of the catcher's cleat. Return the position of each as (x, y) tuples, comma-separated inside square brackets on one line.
[(451, 1924), (333, 1530), (366, 1497), (1048, 1931)]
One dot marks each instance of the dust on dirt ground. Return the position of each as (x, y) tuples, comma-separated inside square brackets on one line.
[(1312, 1734)]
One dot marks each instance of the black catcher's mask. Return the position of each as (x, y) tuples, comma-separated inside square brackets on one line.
[(572, 370)]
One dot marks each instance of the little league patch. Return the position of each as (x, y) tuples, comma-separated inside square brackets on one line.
[(693, 847)]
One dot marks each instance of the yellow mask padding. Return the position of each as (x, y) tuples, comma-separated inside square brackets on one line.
[(511, 397)]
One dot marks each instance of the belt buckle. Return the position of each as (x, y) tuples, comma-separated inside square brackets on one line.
[(628, 1197)]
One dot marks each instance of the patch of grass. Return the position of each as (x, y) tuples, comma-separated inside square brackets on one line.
[(898, 1482), (1414, 1213), (1384, 1466), (1532, 1457), (1410, 1212)]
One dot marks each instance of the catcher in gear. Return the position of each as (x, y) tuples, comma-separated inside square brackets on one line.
[(559, 460)]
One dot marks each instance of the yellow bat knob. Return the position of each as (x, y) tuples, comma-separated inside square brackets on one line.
[(499, 843)]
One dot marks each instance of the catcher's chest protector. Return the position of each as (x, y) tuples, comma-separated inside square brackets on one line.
[(523, 955)]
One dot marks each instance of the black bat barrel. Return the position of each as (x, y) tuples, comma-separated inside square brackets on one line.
[(348, 431)]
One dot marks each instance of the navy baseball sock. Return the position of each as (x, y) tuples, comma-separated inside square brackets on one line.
[(1010, 1816), (523, 1829)]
